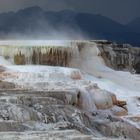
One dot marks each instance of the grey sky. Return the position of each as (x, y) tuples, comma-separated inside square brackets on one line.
[(120, 10)]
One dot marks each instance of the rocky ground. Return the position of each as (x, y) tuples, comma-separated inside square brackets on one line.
[(31, 114), (120, 56), (88, 102), (41, 115)]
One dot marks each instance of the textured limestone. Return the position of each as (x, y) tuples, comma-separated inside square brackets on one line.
[(119, 111), (34, 53), (45, 111), (120, 56), (2, 69), (51, 135), (6, 85), (70, 104)]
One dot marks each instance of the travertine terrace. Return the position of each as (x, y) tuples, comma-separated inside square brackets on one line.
[(65, 90)]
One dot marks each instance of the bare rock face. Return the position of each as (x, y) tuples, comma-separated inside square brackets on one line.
[(2, 69), (51, 135), (119, 129), (24, 110), (119, 111), (75, 75), (103, 100), (61, 104), (6, 85), (120, 103), (48, 112), (45, 53), (120, 56), (114, 126)]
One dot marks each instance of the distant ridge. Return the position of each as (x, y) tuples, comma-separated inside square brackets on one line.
[(134, 25), (34, 20)]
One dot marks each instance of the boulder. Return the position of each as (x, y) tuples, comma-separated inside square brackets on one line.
[(121, 103), (102, 99), (119, 111)]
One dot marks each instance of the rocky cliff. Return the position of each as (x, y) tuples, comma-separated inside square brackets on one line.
[(120, 56)]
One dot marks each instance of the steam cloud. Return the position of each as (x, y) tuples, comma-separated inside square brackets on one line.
[(43, 29)]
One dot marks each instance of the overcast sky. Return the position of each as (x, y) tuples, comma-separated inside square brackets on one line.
[(120, 10)]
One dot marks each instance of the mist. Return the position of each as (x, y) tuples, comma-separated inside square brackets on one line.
[(42, 29), (65, 34)]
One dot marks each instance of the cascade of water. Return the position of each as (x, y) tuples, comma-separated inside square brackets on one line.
[(86, 100)]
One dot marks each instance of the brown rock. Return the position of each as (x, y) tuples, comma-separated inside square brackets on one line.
[(2, 69), (121, 103), (75, 75), (114, 99), (119, 111), (135, 118), (6, 85)]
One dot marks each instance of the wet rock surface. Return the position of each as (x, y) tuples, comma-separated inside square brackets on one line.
[(61, 111), (2, 69), (42, 102), (25, 108), (6, 85), (53, 117), (120, 56)]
